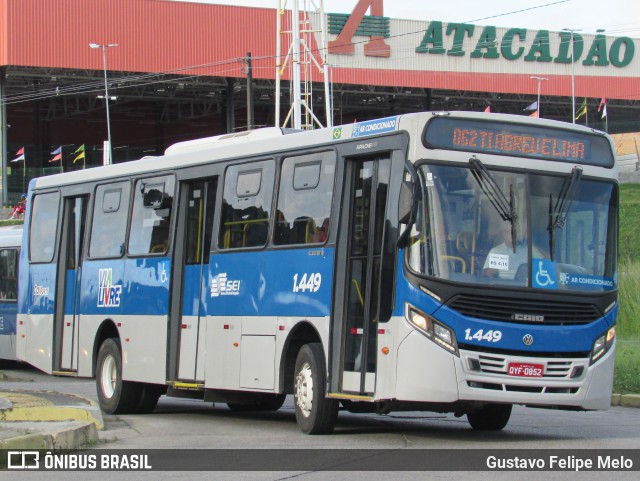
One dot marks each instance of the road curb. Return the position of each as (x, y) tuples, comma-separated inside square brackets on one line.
[(626, 400), (70, 437)]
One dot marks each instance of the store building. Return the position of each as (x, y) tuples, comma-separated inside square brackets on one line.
[(179, 71)]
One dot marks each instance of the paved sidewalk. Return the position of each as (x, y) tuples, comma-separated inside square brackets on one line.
[(46, 419)]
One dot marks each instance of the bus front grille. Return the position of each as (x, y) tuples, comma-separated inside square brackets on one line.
[(525, 311)]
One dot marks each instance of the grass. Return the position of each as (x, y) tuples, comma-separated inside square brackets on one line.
[(627, 376), (11, 222)]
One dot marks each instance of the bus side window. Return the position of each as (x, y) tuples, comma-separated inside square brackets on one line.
[(151, 216), (8, 274), (109, 225), (42, 229), (304, 199), (248, 190)]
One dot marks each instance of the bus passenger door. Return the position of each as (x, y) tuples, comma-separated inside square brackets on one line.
[(66, 326), (360, 254), (193, 245)]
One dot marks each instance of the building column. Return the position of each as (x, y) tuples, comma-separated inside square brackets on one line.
[(3, 139)]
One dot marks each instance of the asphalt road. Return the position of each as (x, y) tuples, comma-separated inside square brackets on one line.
[(185, 425)]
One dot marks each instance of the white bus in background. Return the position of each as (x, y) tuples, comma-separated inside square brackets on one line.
[(10, 241)]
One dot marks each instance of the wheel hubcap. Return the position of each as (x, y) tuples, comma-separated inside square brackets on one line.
[(108, 377), (304, 390)]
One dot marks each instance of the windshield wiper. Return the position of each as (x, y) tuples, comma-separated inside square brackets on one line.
[(558, 212), (504, 207)]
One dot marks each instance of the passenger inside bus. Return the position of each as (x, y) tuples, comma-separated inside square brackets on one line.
[(320, 234)]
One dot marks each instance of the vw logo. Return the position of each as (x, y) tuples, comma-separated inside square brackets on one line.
[(527, 339)]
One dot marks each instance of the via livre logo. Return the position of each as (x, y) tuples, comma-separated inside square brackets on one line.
[(108, 294)]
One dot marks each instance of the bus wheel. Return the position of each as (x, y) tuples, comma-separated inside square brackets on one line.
[(272, 402), (115, 395), (492, 417), (315, 413), (148, 398), (264, 402)]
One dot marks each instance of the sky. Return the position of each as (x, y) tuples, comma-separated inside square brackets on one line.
[(617, 17)]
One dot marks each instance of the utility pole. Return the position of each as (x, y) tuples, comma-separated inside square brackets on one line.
[(109, 154), (250, 120), (539, 80), (573, 72)]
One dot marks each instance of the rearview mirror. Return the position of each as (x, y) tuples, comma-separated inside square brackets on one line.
[(405, 204)]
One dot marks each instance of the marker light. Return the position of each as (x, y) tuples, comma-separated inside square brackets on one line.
[(603, 344), (437, 332)]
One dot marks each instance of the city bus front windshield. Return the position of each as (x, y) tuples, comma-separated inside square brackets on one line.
[(481, 225)]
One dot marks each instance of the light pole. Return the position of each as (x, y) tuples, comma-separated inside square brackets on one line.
[(540, 80), (573, 74), (106, 89)]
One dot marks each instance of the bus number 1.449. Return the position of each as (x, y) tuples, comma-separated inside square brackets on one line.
[(308, 282)]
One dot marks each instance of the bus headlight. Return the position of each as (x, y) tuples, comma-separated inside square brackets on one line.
[(434, 330), (603, 344)]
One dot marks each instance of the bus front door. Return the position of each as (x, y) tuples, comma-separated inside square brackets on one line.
[(361, 249), (66, 325), (191, 270)]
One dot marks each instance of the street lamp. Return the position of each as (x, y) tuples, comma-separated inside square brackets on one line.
[(573, 73), (540, 80), (106, 90)]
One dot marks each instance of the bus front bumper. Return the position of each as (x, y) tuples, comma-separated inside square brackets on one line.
[(426, 373)]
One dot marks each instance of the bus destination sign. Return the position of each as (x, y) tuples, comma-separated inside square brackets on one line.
[(518, 140)]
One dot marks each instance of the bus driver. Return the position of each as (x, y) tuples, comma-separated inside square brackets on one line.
[(503, 260)]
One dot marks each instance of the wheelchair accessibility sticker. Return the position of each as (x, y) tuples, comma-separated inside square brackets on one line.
[(545, 274)]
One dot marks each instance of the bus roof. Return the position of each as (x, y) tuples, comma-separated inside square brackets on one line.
[(266, 141)]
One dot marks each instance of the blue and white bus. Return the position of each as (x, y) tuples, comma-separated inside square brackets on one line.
[(446, 261), (10, 241)]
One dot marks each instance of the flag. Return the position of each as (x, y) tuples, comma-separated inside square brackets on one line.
[(20, 151), (534, 114), (19, 158), (533, 106), (57, 153), (80, 152), (488, 109), (582, 110), (603, 107)]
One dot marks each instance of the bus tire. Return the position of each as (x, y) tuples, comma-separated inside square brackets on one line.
[(266, 402), (148, 398), (315, 413), (115, 395), (491, 417), (272, 402)]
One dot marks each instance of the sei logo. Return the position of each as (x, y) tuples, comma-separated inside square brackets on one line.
[(221, 286)]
